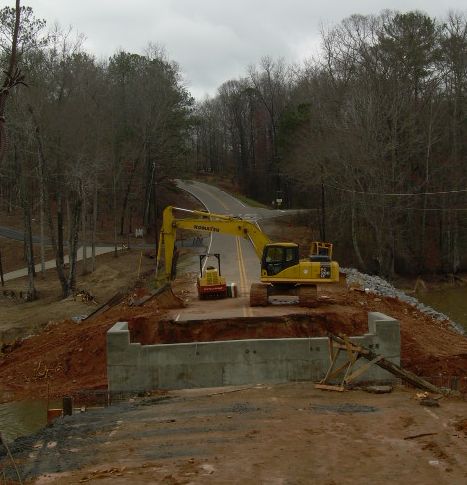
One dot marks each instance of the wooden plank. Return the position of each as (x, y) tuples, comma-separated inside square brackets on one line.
[(336, 372), (327, 387), (346, 373), (410, 377), (331, 366), (153, 294), (114, 300), (419, 436), (361, 370), (394, 369), (331, 350), (352, 354)]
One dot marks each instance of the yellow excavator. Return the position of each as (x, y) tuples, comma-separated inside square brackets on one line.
[(282, 272)]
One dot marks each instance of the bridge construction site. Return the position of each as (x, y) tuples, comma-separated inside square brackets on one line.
[(250, 361)]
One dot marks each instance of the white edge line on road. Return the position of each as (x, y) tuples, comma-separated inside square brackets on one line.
[(220, 190), (210, 234), (209, 250), (177, 317), (233, 197)]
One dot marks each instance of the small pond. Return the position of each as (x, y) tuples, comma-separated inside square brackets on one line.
[(451, 301), (19, 418)]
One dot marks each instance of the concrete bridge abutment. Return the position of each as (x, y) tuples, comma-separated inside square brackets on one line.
[(135, 367)]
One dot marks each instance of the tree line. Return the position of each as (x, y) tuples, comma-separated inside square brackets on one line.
[(84, 139), (371, 134)]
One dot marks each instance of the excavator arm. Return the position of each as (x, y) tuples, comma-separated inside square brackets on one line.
[(206, 222)]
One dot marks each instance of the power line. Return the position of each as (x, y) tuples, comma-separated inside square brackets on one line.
[(396, 194)]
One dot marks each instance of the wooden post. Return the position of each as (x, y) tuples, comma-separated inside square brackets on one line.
[(67, 403), (140, 261), (42, 233), (84, 268), (94, 228)]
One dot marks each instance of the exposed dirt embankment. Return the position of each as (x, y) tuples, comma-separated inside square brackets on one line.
[(146, 331), (68, 356)]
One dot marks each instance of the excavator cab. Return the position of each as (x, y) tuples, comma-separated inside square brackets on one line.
[(277, 257)]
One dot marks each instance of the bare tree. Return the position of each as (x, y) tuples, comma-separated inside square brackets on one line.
[(13, 78)]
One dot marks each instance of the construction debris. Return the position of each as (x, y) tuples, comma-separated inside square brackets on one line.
[(378, 389), (432, 403), (17, 295), (421, 435), (114, 300), (85, 296), (355, 352)]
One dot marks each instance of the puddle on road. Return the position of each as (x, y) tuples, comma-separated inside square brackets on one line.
[(344, 408)]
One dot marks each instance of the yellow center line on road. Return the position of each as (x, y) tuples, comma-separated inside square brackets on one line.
[(247, 311), (244, 284), (214, 197)]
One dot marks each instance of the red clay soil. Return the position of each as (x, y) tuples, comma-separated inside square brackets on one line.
[(428, 347), (68, 356), (146, 331)]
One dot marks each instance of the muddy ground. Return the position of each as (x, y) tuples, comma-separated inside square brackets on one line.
[(281, 434)]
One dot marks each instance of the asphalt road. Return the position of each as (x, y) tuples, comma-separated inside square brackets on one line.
[(239, 263), (17, 235)]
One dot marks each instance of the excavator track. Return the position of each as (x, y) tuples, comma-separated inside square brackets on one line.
[(308, 295), (258, 294)]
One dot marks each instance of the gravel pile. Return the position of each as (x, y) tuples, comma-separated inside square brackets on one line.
[(379, 286)]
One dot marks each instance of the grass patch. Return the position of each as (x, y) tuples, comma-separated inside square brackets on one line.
[(251, 202), (228, 186)]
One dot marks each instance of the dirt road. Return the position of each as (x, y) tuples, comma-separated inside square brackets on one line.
[(283, 434)]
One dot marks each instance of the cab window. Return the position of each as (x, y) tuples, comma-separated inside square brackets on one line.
[(277, 258)]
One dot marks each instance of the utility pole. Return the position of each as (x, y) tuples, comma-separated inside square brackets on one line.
[(1, 269), (156, 208), (323, 209)]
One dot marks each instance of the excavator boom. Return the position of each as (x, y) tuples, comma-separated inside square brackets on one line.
[(206, 222)]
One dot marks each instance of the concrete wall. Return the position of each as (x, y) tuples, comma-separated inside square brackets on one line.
[(135, 367)]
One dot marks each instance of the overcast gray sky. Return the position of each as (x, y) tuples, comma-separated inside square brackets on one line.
[(214, 40)]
